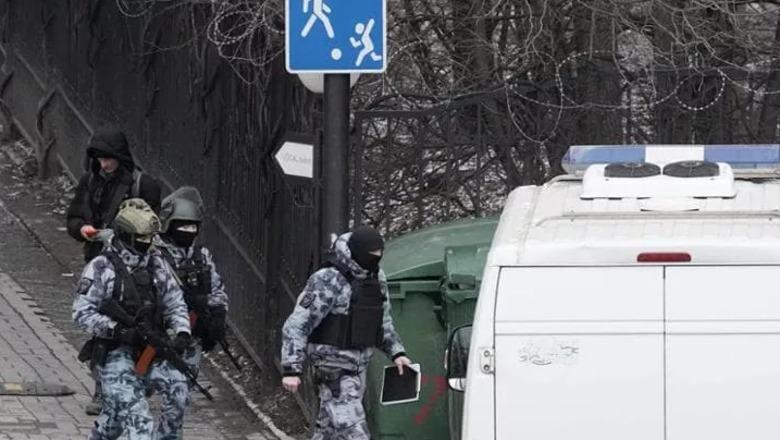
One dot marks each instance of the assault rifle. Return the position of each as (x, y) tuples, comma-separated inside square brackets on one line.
[(156, 345), (201, 309)]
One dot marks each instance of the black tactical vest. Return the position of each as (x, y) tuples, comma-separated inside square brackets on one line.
[(195, 277), (135, 291), (361, 327)]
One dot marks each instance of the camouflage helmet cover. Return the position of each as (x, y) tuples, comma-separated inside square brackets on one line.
[(184, 204), (137, 218)]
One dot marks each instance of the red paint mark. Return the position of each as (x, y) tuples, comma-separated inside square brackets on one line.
[(440, 388)]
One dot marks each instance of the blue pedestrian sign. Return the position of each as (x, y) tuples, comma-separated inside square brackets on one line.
[(336, 36)]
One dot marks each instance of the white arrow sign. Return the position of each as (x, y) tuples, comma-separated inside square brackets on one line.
[(296, 159)]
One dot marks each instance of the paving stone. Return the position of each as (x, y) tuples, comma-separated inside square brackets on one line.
[(30, 350), (38, 342)]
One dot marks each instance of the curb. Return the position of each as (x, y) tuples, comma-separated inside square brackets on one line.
[(250, 404)]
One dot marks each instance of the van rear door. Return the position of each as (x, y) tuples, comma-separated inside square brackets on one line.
[(723, 352), (580, 353)]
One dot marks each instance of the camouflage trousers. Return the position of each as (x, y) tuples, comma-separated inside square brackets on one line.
[(171, 415), (193, 355), (125, 407), (341, 415)]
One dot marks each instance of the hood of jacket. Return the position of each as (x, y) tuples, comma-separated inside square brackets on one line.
[(339, 252), (109, 142)]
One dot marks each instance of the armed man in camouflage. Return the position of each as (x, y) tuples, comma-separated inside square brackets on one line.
[(342, 313), (112, 176), (195, 272), (133, 275)]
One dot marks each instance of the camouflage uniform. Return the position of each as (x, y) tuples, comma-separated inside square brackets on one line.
[(340, 373), (125, 407), (217, 298)]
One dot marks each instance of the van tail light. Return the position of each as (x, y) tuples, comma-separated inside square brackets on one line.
[(663, 257)]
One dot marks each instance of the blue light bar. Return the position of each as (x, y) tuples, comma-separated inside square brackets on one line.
[(746, 158), (579, 157)]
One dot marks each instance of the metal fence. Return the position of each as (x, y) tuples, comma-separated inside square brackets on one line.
[(70, 66)]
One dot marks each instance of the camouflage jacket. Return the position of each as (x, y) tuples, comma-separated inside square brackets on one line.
[(217, 297), (326, 292), (97, 284)]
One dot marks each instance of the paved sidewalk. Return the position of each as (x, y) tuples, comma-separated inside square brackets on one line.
[(39, 265), (32, 349)]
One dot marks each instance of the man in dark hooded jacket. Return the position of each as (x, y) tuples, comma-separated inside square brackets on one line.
[(111, 178)]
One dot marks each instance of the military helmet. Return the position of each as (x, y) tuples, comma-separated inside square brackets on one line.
[(135, 217), (184, 204)]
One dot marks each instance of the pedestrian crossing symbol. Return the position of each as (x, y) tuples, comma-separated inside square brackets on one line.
[(336, 36)]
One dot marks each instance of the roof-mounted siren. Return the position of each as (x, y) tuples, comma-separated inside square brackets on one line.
[(746, 160), (631, 169), (691, 169), (644, 171)]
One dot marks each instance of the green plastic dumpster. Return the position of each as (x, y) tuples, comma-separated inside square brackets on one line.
[(433, 276), (464, 266)]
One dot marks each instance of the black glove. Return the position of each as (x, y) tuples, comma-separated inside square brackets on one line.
[(216, 328), (181, 343), (127, 335), (197, 302)]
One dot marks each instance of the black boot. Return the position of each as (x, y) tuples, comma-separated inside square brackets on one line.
[(93, 408)]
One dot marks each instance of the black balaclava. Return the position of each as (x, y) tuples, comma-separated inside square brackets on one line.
[(136, 244), (363, 240), (181, 238)]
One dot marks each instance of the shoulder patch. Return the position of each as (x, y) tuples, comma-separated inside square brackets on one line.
[(307, 300), (83, 286)]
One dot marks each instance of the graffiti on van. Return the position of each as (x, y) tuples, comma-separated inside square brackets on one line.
[(547, 351)]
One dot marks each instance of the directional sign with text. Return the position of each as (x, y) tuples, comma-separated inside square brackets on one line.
[(336, 36), (296, 159)]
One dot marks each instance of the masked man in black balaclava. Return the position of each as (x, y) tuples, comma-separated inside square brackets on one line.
[(194, 269), (341, 315), (131, 273)]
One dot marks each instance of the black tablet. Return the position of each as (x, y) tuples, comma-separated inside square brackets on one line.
[(397, 388)]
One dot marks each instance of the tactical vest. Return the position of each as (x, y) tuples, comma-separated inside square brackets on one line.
[(195, 278), (361, 327), (135, 291)]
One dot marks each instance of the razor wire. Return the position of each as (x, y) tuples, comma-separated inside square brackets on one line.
[(250, 32)]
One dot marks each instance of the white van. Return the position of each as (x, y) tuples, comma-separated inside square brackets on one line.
[(636, 298)]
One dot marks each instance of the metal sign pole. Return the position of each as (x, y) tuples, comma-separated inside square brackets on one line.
[(335, 191), (335, 38)]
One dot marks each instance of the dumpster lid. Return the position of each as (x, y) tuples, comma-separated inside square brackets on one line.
[(421, 254), (465, 265)]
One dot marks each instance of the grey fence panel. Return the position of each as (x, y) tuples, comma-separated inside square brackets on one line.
[(69, 66)]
